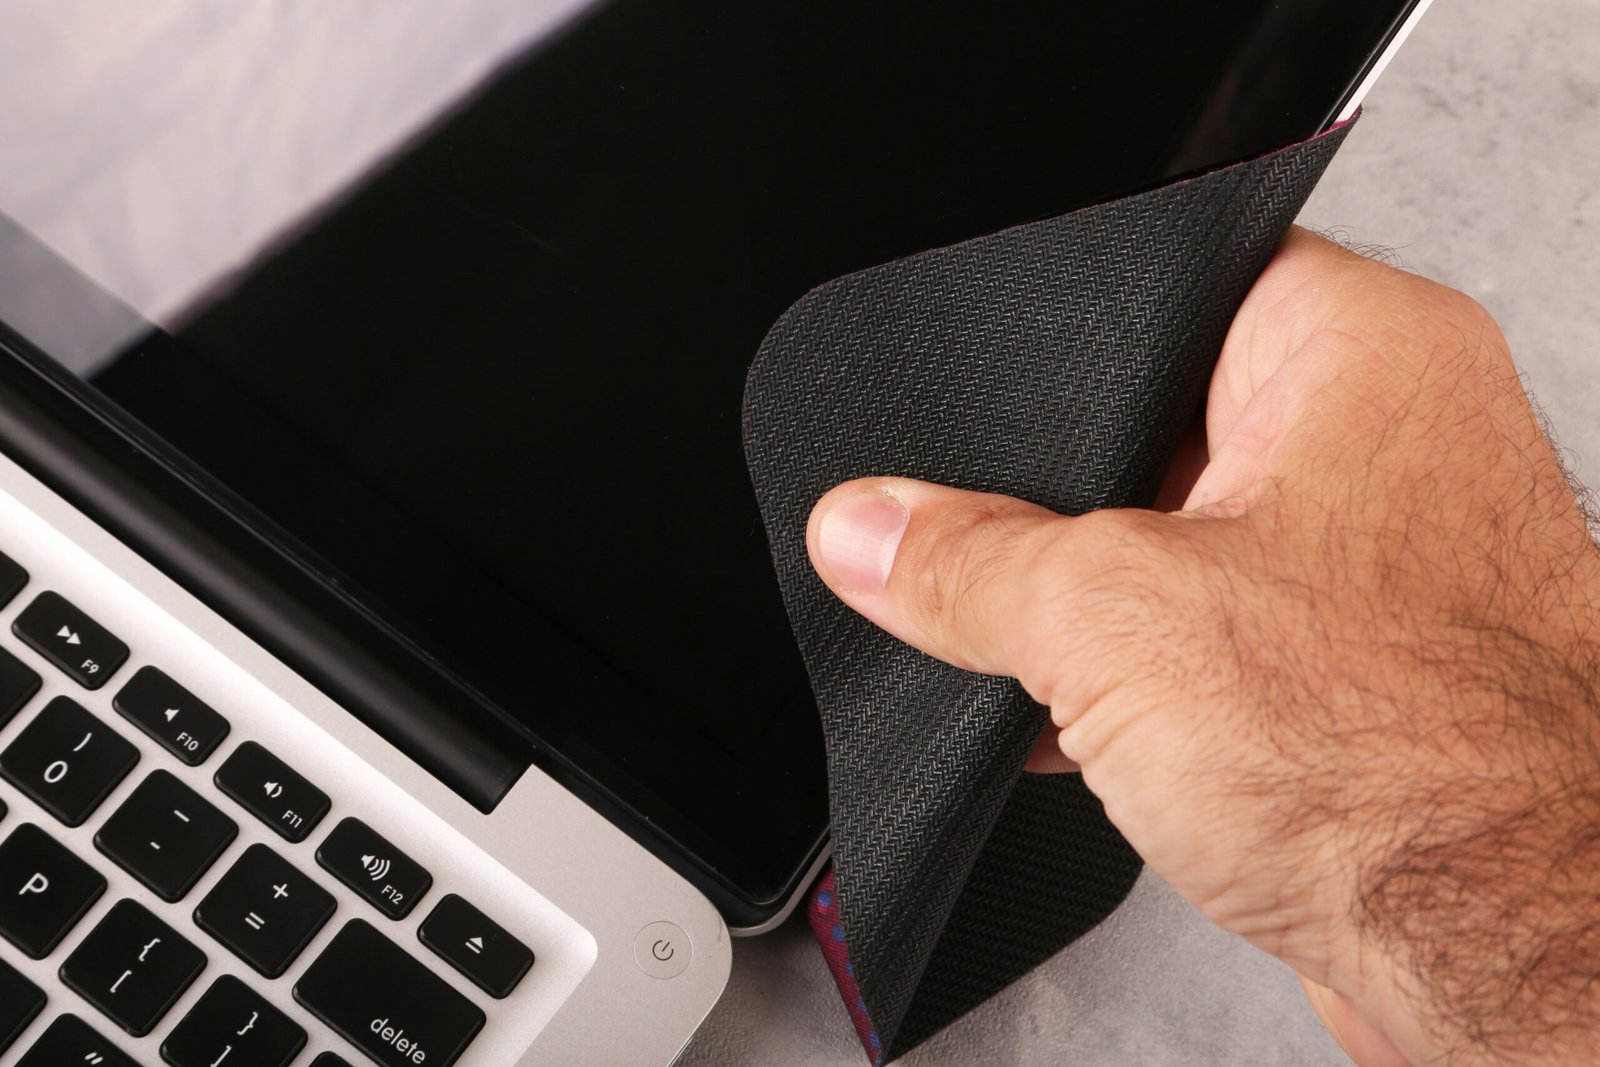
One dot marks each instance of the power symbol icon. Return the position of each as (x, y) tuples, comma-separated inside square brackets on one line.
[(663, 949)]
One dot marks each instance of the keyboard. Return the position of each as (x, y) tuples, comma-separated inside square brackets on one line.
[(193, 874)]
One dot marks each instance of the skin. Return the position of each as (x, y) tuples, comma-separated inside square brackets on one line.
[(1343, 698)]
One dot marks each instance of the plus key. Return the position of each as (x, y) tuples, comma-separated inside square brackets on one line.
[(264, 910)]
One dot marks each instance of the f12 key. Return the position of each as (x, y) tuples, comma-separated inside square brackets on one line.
[(384, 876)]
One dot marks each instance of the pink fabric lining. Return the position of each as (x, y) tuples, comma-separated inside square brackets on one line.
[(823, 912)]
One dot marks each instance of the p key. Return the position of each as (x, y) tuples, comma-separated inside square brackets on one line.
[(44, 890), (67, 760)]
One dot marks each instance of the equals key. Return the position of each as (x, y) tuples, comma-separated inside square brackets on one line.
[(269, 789)]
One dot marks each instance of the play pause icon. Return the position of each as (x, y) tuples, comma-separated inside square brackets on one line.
[(70, 635)]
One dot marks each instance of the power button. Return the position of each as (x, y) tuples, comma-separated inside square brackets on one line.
[(662, 950)]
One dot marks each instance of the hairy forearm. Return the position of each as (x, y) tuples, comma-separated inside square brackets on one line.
[(1345, 701), (1483, 889), (1493, 917)]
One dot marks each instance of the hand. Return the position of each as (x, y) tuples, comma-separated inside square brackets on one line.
[(1344, 700)]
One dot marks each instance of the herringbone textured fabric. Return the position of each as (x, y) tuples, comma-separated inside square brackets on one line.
[(1058, 362)]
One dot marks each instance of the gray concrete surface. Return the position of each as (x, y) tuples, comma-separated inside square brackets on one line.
[(1477, 162)]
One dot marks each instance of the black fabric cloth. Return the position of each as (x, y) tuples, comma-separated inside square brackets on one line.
[(1059, 362)]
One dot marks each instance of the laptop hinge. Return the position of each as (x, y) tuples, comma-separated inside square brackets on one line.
[(120, 486)]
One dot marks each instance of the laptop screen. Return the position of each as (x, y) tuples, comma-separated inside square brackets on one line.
[(461, 308)]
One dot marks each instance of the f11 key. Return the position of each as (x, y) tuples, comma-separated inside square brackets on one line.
[(272, 791)]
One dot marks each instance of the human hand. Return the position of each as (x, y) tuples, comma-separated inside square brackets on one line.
[(1344, 700)]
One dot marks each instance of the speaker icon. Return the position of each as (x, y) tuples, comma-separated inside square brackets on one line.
[(377, 867)]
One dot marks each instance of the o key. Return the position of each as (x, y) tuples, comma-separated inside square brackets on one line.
[(67, 760)]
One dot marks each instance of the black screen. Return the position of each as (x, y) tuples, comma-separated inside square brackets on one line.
[(494, 393)]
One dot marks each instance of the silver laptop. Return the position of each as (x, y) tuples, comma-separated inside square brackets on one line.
[(391, 667)]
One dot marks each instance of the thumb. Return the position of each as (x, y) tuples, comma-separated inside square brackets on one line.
[(980, 581)]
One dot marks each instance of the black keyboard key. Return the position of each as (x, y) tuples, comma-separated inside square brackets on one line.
[(385, 1003), (44, 890), (65, 636), (67, 760), (177, 720), (329, 1059), (18, 683), (231, 1026), (133, 967), (270, 791), (384, 876), (71, 1043), (476, 946), (165, 835), (20, 1001), (264, 910), (12, 579)]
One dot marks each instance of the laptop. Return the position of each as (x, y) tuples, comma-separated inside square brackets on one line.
[(391, 665)]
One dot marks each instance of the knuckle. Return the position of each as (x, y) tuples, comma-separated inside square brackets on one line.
[(1133, 598), (1446, 312), (1105, 584), (952, 561), (1464, 310), (1123, 568), (1479, 331)]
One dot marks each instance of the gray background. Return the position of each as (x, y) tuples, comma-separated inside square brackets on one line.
[(1476, 163)]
